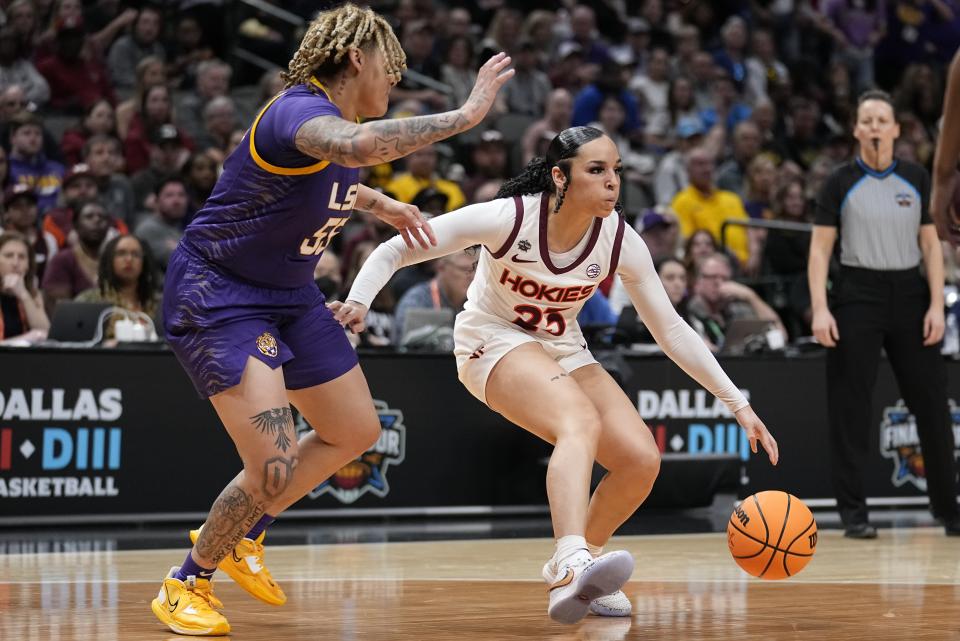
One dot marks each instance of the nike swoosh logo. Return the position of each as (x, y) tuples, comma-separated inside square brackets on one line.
[(566, 580), (583, 345), (515, 259), (171, 605)]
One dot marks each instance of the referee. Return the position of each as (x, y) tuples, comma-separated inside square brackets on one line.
[(878, 207)]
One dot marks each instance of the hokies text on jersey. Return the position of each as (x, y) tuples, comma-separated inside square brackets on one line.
[(529, 288)]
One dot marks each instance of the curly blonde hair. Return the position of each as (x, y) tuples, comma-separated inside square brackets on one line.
[(330, 36)]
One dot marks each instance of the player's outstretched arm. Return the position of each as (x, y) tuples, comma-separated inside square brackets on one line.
[(351, 145), (486, 224), (678, 340), (405, 218)]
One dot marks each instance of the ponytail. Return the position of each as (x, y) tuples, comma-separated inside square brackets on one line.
[(534, 179)]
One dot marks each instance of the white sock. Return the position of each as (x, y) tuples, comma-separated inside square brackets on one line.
[(570, 546), (595, 550)]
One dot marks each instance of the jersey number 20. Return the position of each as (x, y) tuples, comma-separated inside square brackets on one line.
[(530, 317)]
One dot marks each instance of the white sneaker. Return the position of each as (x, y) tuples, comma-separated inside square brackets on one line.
[(610, 605), (583, 580)]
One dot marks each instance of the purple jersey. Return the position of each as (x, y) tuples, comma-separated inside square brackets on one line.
[(275, 209)]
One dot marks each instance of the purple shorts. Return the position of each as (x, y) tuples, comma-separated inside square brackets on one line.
[(214, 322)]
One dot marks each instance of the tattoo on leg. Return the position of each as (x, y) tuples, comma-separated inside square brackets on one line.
[(233, 514), (559, 376), (277, 474), (276, 421)]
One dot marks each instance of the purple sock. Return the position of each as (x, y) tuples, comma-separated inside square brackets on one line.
[(260, 526), (191, 568)]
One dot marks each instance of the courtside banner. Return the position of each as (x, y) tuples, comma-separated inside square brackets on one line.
[(94, 434), (88, 433)]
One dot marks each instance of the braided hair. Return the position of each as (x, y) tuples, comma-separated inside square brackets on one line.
[(323, 50), (536, 177)]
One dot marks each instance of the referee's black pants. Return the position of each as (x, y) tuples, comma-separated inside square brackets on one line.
[(875, 309)]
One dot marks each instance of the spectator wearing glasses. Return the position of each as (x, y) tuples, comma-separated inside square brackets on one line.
[(717, 300), (446, 290), (126, 278)]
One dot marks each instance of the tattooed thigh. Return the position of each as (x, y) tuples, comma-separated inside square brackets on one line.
[(277, 422)]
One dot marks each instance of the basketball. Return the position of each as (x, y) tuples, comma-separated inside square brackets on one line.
[(772, 535)]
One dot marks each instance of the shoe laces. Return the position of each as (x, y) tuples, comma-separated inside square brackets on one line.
[(575, 563), (203, 589)]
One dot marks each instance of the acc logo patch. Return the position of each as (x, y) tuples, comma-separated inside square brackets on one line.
[(900, 443), (267, 344), (593, 270), (368, 472)]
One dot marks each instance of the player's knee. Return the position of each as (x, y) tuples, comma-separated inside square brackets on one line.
[(365, 436), (272, 475), (639, 462), (584, 425), (646, 462)]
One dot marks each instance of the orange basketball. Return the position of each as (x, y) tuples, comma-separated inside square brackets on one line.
[(772, 535)]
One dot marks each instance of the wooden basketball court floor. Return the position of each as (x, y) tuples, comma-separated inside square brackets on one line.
[(904, 585)]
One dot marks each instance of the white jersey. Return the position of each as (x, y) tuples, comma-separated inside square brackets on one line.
[(522, 287), (539, 291)]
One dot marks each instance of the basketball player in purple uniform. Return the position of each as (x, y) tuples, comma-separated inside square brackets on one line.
[(243, 314)]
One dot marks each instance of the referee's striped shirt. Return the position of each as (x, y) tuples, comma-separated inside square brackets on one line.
[(877, 213)]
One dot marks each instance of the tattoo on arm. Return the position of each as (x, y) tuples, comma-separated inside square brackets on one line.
[(351, 145), (559, 376), (231, 517), (369, 205), (275, 421)]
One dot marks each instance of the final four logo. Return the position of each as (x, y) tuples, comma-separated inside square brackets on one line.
[(900, 443), (368, 472)]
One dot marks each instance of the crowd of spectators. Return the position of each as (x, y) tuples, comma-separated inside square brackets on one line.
[(116, 117)]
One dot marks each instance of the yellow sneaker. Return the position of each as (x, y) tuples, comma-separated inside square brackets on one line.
[(186, 607), (245, 566)]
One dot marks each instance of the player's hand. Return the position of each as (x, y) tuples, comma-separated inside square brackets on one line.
[(942, 211), (825, 328), (490, 78), (406, 219), (350, 315), (933, 325), (757, 431)]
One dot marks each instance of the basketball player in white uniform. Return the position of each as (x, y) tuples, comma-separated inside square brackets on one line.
[(547, 242)]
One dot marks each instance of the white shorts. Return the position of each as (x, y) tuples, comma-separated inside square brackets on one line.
[(481, 340)]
